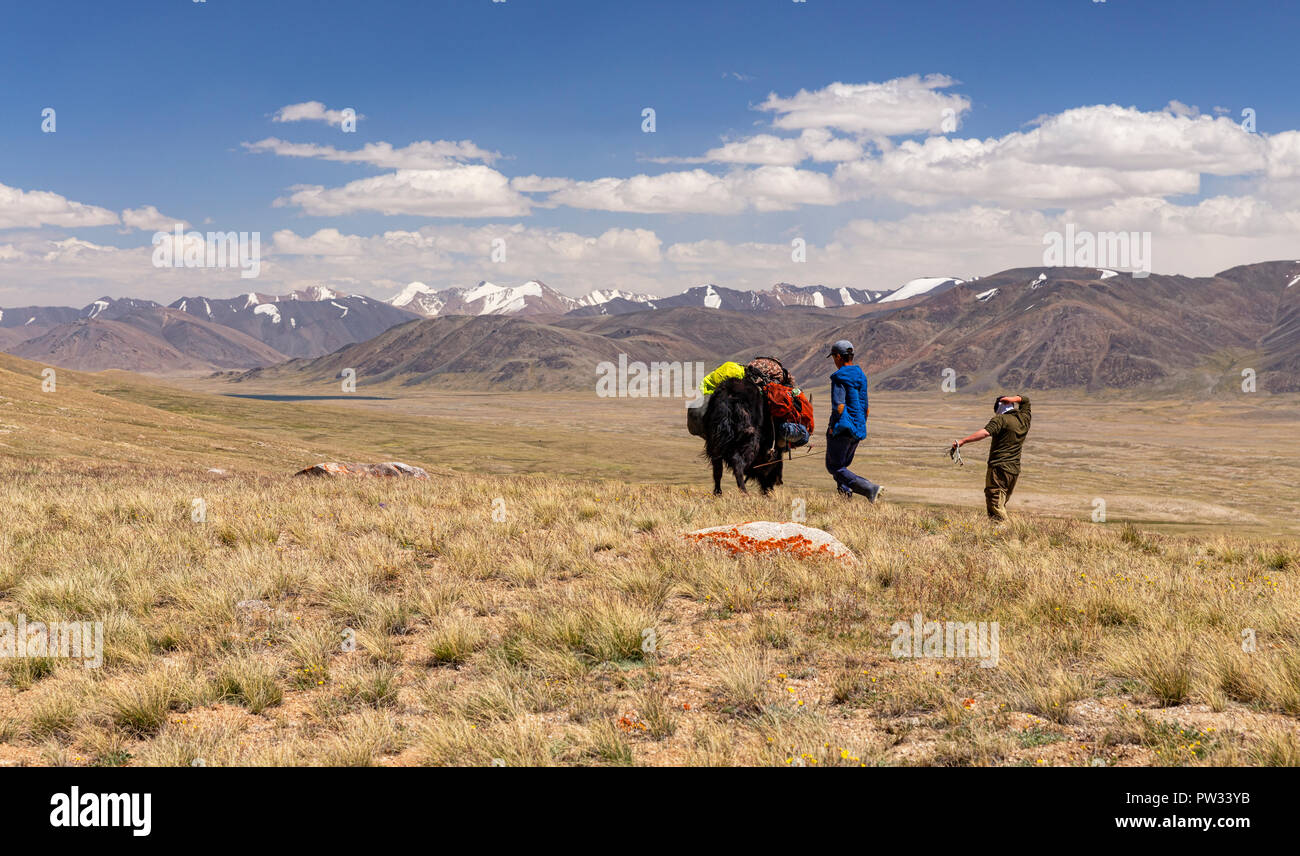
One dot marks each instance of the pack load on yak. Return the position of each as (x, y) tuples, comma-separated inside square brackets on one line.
[(695, 409), (789, 405), (790, 408)]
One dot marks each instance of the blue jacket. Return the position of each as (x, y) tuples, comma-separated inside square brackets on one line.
[(849, 387)]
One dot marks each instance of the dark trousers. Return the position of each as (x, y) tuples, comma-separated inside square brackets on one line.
[(839, 454), (998, 485)]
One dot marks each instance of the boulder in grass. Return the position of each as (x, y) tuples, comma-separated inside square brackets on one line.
[(761, 538), (389, 469)]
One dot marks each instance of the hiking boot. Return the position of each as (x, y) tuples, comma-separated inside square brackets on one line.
[(873, 492)]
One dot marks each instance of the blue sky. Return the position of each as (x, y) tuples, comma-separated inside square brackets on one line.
[(156, 102)]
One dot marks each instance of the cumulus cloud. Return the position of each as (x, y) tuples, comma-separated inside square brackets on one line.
[(31, 209), (1084, 155), (470, 190), (424, 154), (311, 111), (539, 184), (150, 219), (459, 254), (876, 254), (767, 188), (972, 205), (905, 105), (815, 144)]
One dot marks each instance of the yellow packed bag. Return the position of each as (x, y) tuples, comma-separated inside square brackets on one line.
[(715, 378)]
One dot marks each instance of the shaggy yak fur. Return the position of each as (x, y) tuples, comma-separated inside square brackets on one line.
[(738, 432)]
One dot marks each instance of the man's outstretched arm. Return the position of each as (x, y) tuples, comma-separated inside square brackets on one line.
[(974, 438)]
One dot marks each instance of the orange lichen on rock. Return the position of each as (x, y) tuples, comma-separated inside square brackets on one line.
[(758, 538)]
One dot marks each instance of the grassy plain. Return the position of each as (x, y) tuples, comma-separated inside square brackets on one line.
[(534, 602)]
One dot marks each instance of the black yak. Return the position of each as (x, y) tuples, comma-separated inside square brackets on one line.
[(738, 432)]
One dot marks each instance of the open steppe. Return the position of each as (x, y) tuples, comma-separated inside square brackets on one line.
[(535, 603)]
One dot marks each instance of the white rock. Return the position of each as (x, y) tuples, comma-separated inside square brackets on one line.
[(762, 537)]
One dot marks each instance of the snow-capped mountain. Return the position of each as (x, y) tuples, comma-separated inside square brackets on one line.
[(419, 298), (314, 292), (822, 296), (308, 322), (601, 296), (536, 298), (108, 308), (486, 298), (712, 296)]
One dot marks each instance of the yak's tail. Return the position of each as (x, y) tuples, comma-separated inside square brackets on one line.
[(727, 422)]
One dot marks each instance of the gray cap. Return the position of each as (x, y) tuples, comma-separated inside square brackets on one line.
[(843, 347)]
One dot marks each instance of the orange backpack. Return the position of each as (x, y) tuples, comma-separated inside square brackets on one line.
[(789, 405)]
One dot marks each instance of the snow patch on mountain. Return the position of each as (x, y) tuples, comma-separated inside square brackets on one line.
[(268, 309), (916, 287)]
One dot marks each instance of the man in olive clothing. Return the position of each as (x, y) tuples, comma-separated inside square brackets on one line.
[(1008, 428)]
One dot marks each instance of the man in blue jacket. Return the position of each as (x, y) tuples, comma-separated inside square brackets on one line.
[(848, 423)]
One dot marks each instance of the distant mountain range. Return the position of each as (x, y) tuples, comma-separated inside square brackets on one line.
[(1026, 328), (144, 336), (194, 333), (536, 298), (1021, 329), (1044, 328)]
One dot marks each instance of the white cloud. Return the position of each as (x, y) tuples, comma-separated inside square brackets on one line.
[(310, 111), (905, 105), (1084, 155), (694, 191), (697, 191), (1284, 155), (424, 154), (150, 219), (978, 205), (766, 149), (539, 184), (459, 191), (325, 242), (31, 209)]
